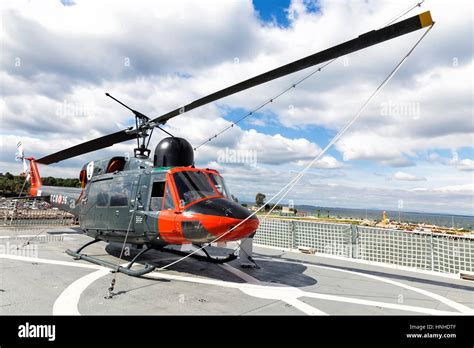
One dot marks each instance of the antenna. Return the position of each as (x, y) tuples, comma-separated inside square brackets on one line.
[(135, 112), (141, 151)]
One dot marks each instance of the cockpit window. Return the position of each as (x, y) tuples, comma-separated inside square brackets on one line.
[(192, 186), (168, 199), (220, 185), (157, 194)]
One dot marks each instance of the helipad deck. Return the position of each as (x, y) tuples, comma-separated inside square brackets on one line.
[(41, 279)]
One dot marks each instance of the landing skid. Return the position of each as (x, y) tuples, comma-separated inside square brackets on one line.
[(78, 255), (126, 270), (207, 256)]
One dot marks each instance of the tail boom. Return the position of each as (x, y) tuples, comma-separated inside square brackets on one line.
[(63, 198)]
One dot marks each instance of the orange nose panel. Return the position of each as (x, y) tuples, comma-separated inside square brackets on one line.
[(243, 230), (218, 226)]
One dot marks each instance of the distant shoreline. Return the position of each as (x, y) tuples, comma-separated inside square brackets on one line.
[(447, 221)]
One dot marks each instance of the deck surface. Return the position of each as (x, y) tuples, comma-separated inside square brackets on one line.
[(41, 278)]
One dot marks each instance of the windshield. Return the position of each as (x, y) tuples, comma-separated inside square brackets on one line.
[(219, 183), (192, 186)]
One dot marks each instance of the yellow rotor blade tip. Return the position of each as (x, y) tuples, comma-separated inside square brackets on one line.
[(425, 19)]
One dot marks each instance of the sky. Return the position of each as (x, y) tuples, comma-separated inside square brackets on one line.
[(411, 149)]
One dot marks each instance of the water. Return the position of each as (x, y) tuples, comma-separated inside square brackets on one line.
[(458, 221)]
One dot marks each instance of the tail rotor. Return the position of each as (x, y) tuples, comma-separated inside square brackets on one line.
[(20, 156)]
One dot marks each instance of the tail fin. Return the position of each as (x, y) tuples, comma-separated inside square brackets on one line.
[(35, 178)]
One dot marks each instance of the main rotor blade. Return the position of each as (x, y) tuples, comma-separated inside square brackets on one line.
[(363, 41), (89, 146)]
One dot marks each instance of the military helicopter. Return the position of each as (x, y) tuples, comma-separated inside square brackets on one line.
[(167, 200)]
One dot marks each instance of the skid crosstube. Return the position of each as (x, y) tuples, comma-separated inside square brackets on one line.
[(207, 256), (78, 255)]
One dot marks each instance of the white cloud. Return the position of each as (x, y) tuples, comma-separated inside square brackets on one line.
[(467, 189), (407, 177), (465, 164), (326, 162), (181, 50)]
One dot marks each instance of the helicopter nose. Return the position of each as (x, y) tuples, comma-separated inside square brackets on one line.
[(220, 215), (243, 229), (220, 207)]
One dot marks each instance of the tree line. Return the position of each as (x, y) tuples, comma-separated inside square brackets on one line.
[(260, 200)]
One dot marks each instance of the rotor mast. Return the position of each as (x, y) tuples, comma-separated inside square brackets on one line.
[(141, 120)]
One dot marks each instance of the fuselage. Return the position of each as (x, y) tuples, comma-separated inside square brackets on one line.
[(156, 206)]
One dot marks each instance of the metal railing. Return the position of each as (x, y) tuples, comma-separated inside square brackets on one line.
[(419, 250), (28, 213)]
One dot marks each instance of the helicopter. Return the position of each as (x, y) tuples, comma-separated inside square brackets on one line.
[(165, 200)]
